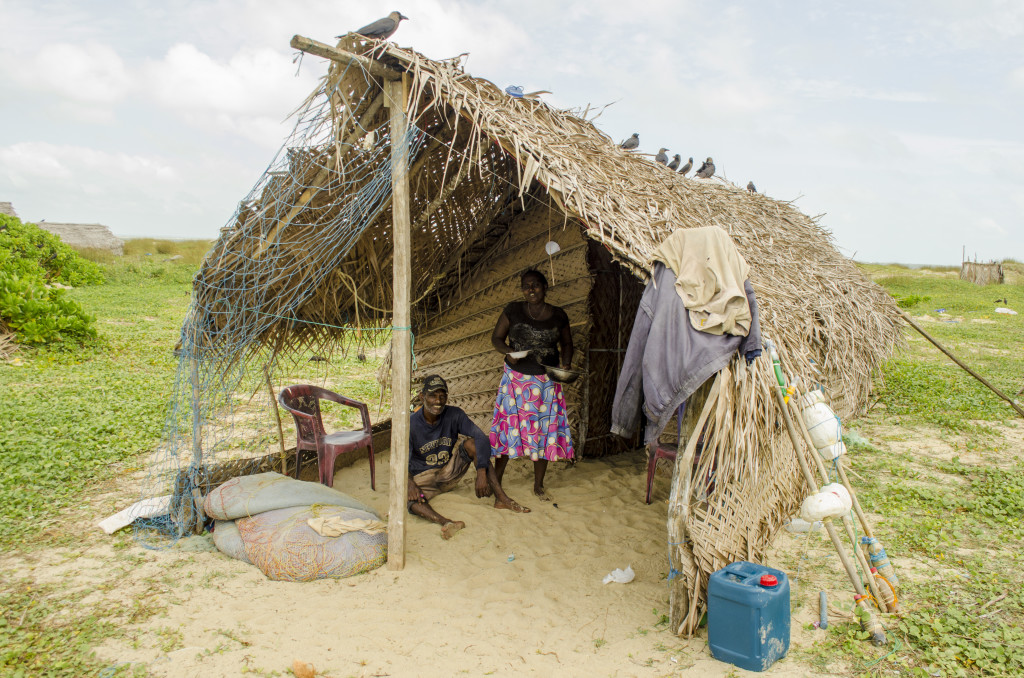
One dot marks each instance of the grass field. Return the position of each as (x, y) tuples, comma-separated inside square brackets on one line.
[(937, 458)]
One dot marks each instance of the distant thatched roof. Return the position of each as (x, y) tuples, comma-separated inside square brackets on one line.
[(8, 209), (85, 236)]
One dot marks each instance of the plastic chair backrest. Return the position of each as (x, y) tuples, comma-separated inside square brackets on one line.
[(305, 399)]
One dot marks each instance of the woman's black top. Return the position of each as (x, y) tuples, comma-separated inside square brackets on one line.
[(539, 336)]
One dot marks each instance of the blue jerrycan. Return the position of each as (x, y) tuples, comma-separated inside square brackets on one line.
[(748, 615)]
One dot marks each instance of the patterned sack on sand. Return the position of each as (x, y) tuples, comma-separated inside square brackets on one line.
[(286, 548), (246, 496)]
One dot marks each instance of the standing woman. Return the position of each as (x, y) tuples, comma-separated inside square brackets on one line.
[(529, 413)]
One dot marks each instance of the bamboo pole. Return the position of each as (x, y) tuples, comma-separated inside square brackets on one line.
[(197, 451), (401, 338), (316, 48), (858, 553), (910, 321), (871, 624)]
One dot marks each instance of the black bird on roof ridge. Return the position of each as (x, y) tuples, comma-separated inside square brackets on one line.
[(662, 157), (751, 187), (631, 143), (381, 29), (687, 167), (674, 165), (707, 170)]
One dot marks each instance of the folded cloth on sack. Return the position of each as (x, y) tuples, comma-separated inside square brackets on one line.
[(246, 496), (335, 526)]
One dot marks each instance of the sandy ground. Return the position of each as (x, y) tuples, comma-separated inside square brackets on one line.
[(510, 595)]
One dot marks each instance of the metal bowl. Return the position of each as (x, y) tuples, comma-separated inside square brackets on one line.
[(562, 376)]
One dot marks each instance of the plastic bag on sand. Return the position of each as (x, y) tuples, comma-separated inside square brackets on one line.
[(246, 496), (228, 541), (620, 576), (286, 548)]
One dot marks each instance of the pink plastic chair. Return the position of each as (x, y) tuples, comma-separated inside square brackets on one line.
[(303, 401), (659, 450)]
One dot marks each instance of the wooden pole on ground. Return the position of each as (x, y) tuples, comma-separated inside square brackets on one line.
[(401, 337), (277, 418), (910, 321)]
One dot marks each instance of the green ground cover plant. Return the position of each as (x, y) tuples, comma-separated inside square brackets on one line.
[(76, 417)]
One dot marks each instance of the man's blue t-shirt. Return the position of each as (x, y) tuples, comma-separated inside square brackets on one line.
[(430, 447)]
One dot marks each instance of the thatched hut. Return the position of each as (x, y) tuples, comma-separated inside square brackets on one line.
[(7, 209), (85, 236), (990, 273), (307, 260)]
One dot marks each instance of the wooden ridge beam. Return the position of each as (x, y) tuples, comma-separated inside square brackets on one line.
[(320, 49)]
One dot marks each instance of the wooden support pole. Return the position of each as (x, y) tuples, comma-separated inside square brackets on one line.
[(304, 44), (401, 337), (910, 321)]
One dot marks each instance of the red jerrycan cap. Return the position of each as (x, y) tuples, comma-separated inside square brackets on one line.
[(769, 580)]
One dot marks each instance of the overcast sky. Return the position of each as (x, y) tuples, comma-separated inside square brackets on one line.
[(901, 122)]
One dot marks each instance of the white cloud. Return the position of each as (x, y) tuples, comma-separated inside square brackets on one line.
[(833, 90), (65, 167), (250, 94), (85, 80)]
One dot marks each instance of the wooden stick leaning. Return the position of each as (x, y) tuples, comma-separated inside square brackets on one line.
[(910, 321), (681, 602), (847, 523), (871, 624), (280, 429)]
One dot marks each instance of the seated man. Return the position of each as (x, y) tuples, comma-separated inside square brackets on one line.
[(434, 467)]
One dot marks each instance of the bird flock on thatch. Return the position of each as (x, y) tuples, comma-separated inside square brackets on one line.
[(705, 171), (384, 28)]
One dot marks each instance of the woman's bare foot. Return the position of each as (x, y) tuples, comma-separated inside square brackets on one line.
[(450, 528), (541, 494), (511, 504)]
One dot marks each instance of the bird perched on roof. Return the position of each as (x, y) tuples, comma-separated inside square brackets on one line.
[(674, 165), (632, 142), (382, 29), (687, 167), (662, 156), (707, 170), (751, 187)]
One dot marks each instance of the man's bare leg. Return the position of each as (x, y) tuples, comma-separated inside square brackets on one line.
[(502, 500), (500, 463), (448, 527)]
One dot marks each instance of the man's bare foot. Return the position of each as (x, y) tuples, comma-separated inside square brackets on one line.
[(541, 494), (450, 528), (511, 505)]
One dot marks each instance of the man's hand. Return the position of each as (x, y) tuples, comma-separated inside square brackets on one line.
[(483, 487), (415, 493)]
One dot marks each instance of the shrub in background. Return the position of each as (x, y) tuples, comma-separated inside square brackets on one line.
[(28, 251), (32, 259)]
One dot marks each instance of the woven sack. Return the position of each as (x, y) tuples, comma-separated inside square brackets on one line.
[(286, 548), (246, 496)]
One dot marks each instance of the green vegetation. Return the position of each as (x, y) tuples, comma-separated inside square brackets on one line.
[(34, 265), (74, 416)]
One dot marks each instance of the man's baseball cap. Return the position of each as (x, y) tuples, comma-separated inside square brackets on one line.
[(434, 382)]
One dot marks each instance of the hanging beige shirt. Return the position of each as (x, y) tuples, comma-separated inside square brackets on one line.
[(709, 278)]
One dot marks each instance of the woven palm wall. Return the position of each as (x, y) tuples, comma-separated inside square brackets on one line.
[(455, 341)]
